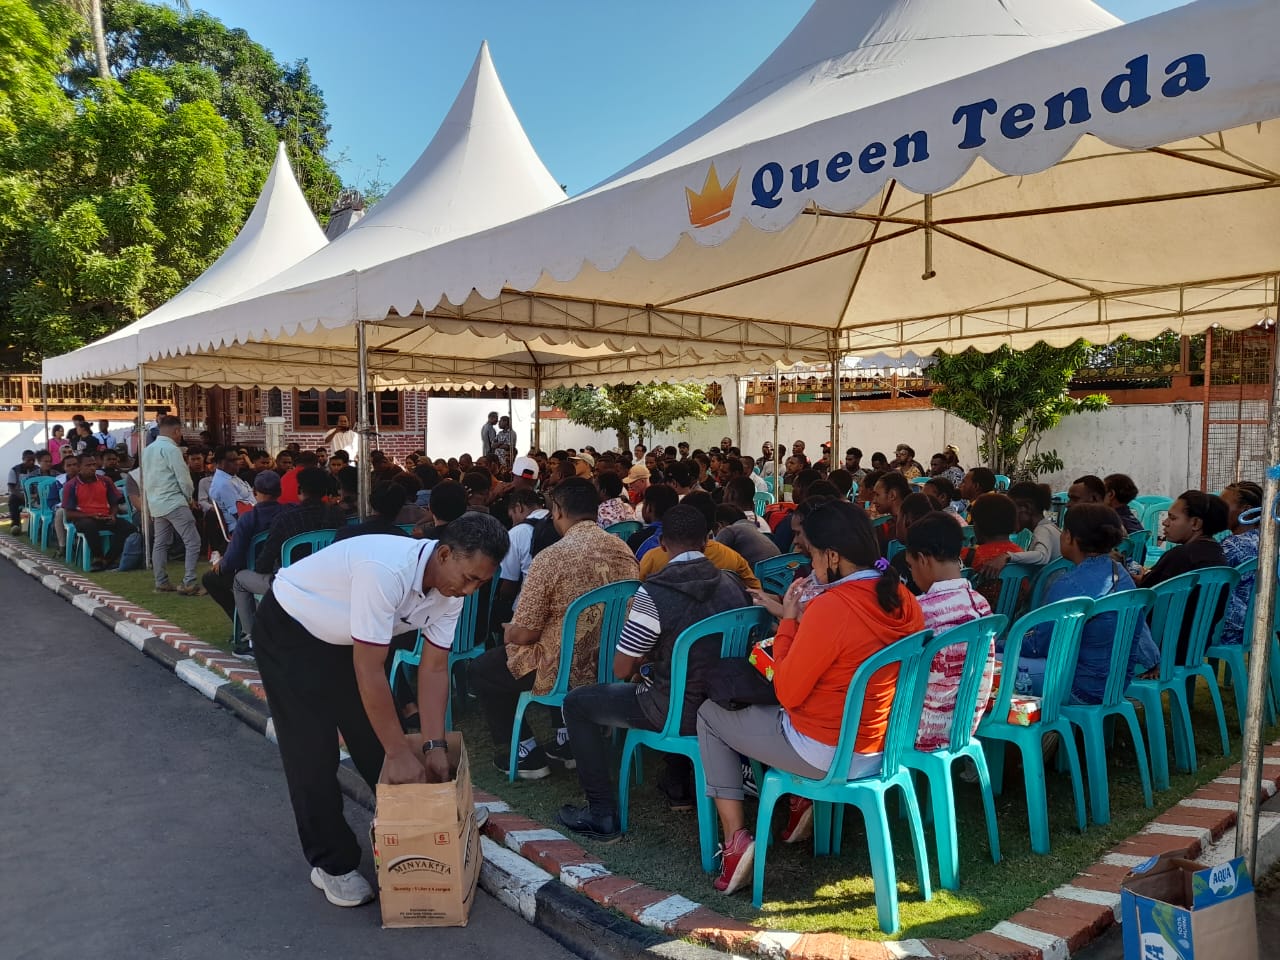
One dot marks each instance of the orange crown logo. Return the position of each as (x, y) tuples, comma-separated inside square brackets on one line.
[(713, 203)]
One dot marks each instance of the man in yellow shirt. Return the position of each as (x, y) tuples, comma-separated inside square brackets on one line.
[(723, 557)]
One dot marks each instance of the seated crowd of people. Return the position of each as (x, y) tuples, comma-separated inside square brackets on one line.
[(878, 558)]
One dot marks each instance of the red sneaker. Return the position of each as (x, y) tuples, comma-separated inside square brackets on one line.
[(800, 821), (736, 858)]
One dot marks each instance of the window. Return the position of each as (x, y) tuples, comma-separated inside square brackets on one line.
[(320, 410)]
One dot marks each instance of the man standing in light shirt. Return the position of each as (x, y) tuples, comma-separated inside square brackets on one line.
[(342, 437), (321, 637), (168, 488), (489, 434)]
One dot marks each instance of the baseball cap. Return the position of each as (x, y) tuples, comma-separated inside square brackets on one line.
[(637, 472), (586, 458), (525, 467), (268, 482)]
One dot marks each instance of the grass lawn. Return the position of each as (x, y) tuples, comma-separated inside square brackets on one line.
[(804, 893)]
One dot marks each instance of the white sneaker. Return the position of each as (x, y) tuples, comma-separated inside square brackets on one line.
[(348, 890)]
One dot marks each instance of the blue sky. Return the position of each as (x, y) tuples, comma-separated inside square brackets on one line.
[(596, 83)]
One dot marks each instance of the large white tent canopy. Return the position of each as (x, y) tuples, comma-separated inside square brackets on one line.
[(1051, 174), (280, 231)]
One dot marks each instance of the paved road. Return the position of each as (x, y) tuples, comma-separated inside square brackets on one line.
[(141, 820)]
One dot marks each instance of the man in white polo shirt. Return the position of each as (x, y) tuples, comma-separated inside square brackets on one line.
[(322, 635)]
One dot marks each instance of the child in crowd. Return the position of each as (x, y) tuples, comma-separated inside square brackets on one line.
[(995, 517), (1033, 501), (947, 600)]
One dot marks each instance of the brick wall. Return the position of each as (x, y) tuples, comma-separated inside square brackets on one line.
[(398, 443)]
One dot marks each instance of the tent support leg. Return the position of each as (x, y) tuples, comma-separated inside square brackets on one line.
[(537, 409), (777, 411), (362, 420), (142, 480), (1260, 652), (44, 405), (832, 458)]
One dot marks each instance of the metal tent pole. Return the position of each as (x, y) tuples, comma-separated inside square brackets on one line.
[(362, 420), (835, 408), (1260, 652), (777, 412), (44, 405), (537, 409), (142, 480)]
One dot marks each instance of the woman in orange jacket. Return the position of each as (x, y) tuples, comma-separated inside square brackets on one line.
[(861, 609)]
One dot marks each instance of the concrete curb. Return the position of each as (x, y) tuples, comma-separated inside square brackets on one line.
[(561, 889)]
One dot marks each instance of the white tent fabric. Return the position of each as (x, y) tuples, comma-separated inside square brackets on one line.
[(280, 231), (1051, 178), (478, 171)]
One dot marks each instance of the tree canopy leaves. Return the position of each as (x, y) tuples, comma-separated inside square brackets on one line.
[(632, 408), (114, 195), (1013, 397)]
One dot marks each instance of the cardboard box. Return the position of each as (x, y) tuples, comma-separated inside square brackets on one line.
[(426, 847), (1175, 909)]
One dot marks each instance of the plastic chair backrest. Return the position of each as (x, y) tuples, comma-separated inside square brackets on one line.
[(255, 548), (36, 491), (1173, 607), (894, 548), (222, 524), (614, 597), (776, 573), (464, 634), (977, 636), (1152, 513), (1023, 538), (1066, 620), (737, 629), (313, 539), (968, 537), (1012, 577), (406, 527), (881, 521), (920, 481), (762, 500), (1130, 608), (1049, 573), (624, 529), (1134, 546), (900, 734), (1002, 483)]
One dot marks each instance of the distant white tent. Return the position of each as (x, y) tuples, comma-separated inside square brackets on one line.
[(280, 231)]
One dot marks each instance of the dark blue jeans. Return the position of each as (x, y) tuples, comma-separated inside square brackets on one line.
[(586, 709)]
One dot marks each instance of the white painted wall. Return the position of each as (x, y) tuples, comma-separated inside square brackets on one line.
[(453, 424), (19, 435)]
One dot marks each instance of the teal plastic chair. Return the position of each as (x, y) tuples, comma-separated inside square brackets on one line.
[(762, 501), (919, 482), (78, 547), (1012, 578), (466, 646), (1002, 483), (313, 540), (1134, 547), (936, 766), (895, 547), (614, 597), (968, 537), (625, 529), (869, 794), (1129, 608), (1059, 502), (1151, 511), (39, 515), (776, 573), (881, 521), (1066, 619), (1233, 654), (1172, 607), (1048, 574), (1023, 538), (737, 630)]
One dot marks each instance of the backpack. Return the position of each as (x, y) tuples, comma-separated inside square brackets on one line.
[(544, 535)]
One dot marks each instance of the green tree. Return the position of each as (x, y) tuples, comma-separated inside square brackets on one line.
[(201, 58), (632, 408), (1013, 397)]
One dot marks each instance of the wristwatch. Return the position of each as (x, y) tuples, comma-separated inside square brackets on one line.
[(429, 745)]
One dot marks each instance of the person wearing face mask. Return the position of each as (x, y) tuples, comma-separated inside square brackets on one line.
[(862, 609)]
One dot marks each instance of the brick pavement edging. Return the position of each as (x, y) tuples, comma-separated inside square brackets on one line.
[(558, 886)]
